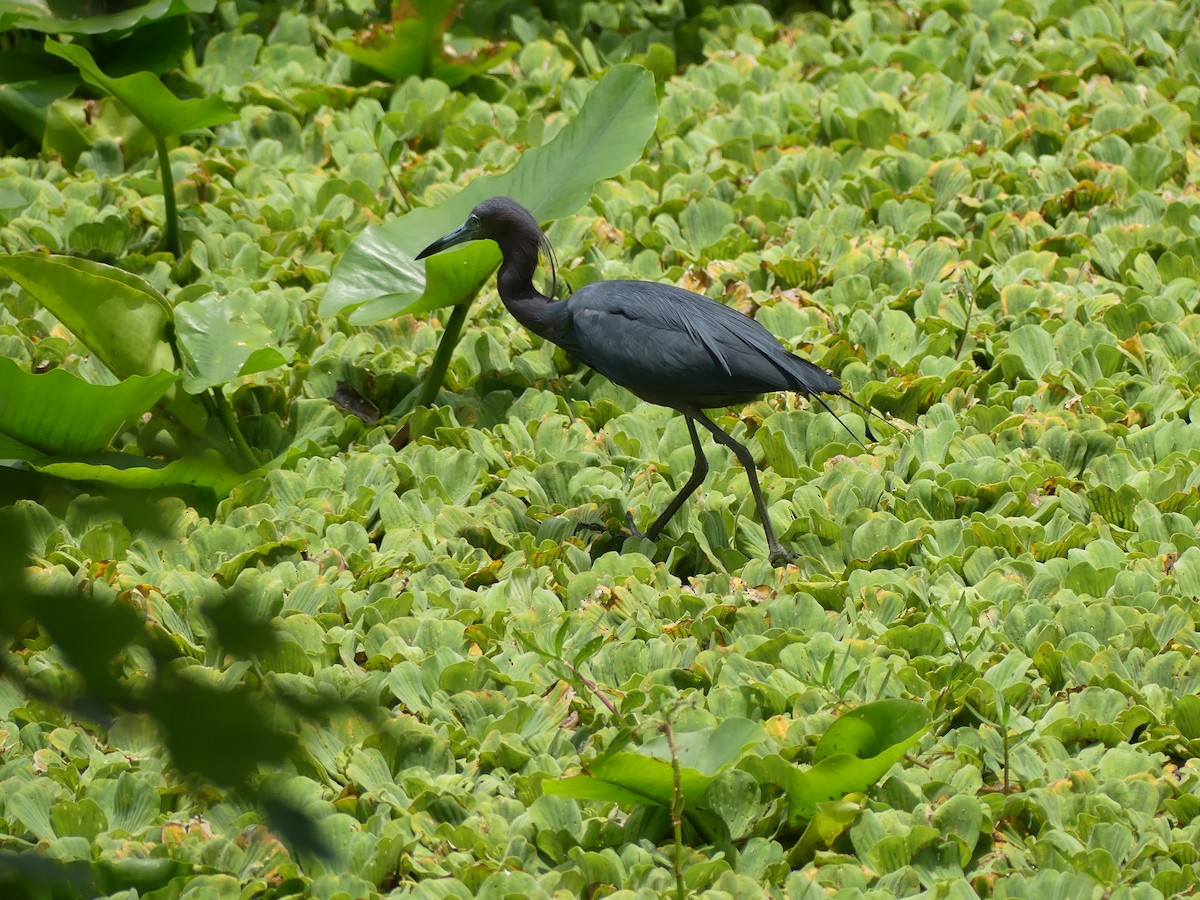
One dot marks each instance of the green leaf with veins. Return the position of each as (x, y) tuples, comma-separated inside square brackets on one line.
[(44, 16), (223, 338), (378, 273), (147, 97), (120, 317), (647, 775), (59, 412)]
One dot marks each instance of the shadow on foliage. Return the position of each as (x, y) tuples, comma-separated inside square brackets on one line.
[(218, 737)]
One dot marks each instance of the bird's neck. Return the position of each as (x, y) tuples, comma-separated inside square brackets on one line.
[(528, 305)]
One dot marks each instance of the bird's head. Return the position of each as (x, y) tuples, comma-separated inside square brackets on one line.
[(505, 221), (500, 219)]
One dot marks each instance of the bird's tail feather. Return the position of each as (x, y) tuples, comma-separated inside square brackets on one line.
[(811, 379), (866, 409), (866, 420), (853, 436)]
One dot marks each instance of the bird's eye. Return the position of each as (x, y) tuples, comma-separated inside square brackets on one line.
[(473, 220)]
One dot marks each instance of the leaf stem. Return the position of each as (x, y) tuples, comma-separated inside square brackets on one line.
[(1004, 738), (595, 689), (441, 359), (968, 287), (168, 183), (399, 188), (225, 413), (676, 812)]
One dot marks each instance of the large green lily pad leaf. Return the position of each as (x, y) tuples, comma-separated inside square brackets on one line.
[(58, 412), (872, 729), (128, 471), (378, 273), (147, 97), (11, 448), (120, 317), (851, 756), (222, 338), (414, 44), (648, 776), (77, 18)]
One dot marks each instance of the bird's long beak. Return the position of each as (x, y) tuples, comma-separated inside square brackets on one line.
[(459, 235)]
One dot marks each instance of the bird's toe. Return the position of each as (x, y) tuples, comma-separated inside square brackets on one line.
[(633, 529), (781, 557)]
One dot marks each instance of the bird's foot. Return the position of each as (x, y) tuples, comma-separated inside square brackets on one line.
[(780, 557), (633, 529), (600, 528)]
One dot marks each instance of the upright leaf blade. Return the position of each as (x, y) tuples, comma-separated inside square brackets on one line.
[(37, 16), (709, 751), (127, 471), (647, 774), (61, 413), (633, 779), (378, 272), (221, 338), (872, 728), (147, 97), (11, 448), (852, 755), (120, 317)]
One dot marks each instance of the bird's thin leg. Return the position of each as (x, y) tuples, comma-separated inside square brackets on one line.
[(693, 482), (779, 556)]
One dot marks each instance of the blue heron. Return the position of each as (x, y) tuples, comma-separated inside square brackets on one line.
[(665, 344)]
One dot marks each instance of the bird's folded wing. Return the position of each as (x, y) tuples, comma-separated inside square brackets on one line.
[(657, 337)]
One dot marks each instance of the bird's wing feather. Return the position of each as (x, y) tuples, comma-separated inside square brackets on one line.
[(656, 337)]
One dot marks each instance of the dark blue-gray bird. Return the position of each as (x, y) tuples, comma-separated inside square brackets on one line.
[(667, 345)]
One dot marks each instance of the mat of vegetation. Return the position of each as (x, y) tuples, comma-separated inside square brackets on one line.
[(254, 650)]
